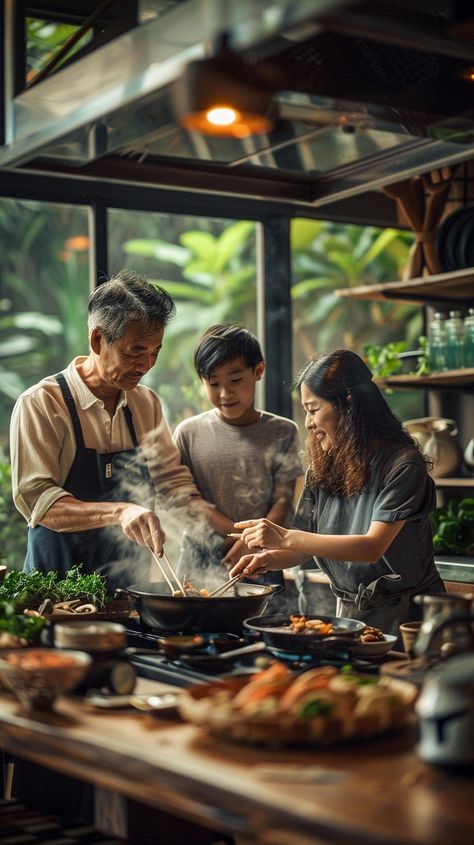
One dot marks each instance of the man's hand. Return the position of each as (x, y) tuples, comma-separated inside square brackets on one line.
[(143, 527), (262, 534)]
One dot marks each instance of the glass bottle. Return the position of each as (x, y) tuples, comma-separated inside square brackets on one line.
[(437, 343), (469, 338), (454, 341)]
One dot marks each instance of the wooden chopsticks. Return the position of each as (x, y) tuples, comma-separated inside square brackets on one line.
[(165, 575), (223, 587)]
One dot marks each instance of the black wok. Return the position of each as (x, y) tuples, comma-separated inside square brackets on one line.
[(160, 611), (275, 634)]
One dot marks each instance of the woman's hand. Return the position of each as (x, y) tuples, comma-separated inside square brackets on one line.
[(143, 527), (263, 534)]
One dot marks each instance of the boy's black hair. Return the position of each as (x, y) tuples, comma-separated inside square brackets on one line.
[(222, 343)]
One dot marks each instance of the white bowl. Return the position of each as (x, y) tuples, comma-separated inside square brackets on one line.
[(38, 675), (375, 649)]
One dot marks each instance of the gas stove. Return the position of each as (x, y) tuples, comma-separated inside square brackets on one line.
[(146, 653)]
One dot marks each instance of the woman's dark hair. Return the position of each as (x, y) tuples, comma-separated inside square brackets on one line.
[(125, 298), (222, 343), (344, 380)]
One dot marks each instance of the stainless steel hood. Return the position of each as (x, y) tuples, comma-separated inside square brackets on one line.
[(371, 92)]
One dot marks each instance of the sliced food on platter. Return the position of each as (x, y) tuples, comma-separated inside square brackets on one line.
[(320, 706)]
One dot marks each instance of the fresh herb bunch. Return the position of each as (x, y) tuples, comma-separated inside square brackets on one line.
[(26, 628), (384, 361), (30, 589), (423, 364), (453, 527)]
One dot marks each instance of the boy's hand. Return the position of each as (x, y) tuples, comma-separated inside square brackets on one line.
[(236, 551)]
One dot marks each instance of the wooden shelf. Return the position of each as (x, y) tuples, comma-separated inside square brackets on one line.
[(456, 287), (454, 482), (447, 378)]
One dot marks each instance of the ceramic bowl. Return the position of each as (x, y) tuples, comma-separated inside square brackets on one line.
[(38, 675), (90, 636), (375, 649)]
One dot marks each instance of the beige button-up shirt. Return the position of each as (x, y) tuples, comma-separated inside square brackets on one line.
[(43, 446)]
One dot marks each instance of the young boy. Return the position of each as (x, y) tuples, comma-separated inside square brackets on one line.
[(244, 461)]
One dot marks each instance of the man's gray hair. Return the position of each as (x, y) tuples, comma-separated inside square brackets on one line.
[(127, 297)]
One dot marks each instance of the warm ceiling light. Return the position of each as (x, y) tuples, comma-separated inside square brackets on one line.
[(224, 96), (222, 116)]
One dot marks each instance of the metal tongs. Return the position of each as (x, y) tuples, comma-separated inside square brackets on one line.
[(166, 575), (218, 591)]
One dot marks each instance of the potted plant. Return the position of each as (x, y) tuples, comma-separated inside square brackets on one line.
[(453, 527)]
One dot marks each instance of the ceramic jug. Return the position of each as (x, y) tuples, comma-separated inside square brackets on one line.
[(447, 625), (437, 439), (469, 456)]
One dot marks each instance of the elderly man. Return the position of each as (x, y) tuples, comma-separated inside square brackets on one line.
[(90, 446)]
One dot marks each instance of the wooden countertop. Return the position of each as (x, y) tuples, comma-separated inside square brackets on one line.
[(367, 792)]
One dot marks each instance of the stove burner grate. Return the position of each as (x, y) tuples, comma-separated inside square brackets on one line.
[(150, 662)]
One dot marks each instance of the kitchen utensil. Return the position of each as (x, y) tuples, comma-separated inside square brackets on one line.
[(374, 649), (437, 439), (165, 703), (38, 675), (171, 572), (105, 642), (447, 624), (454, 237), (90, 636), (225, 586), (409, 632), (163, 613), (210, 663), (445, 710), (276, 634)]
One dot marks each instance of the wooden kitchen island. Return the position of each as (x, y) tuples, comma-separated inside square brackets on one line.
[(375, 792)]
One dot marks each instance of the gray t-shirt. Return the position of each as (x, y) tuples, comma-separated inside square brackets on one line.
[(237, 468), (399, 489)]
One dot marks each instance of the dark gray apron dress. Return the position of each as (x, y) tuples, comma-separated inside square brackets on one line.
[(94, 477)]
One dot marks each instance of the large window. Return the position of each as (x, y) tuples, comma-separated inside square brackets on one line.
[(327, 256), (209, 267), (44, 286)]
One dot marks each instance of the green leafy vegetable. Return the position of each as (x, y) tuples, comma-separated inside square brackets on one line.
[(26, 628), (360, 680), (384, 361), (453, 527), (423, 366), (316, 707), (30, 589)]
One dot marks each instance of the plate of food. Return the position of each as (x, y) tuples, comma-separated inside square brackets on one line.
[(373, 643), (319, 707)]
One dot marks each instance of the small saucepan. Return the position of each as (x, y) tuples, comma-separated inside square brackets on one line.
[(161, 612), (274, 630)]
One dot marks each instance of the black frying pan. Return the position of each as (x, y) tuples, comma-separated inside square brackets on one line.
[(163, 612), (275, 634)]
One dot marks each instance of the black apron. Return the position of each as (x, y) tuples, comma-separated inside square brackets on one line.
[(93, 477)]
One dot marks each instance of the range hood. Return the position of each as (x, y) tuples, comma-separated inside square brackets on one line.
[(371, 93)]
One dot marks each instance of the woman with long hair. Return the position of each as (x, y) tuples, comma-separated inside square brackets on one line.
[(364, 514)]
